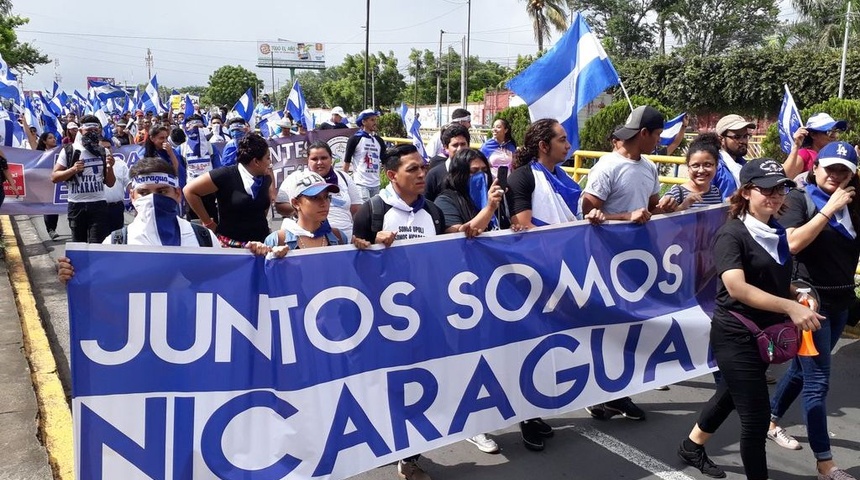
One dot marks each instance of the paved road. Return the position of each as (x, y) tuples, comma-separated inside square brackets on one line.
[(583, 448)]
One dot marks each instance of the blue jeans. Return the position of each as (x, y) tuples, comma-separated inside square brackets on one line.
[(810, 377)]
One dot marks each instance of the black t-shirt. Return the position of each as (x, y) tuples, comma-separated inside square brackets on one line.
[(241, 217), (828, 261), (521, 186), (457, 209), (734, 248), (434, 182), (331, 126), (436, 161)]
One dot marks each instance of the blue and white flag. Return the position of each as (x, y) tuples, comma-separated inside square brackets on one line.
[(57, 104), (245, 107), (189, 106), (82, 103), (104, 91), (788, 122), (298, 108), (561, 83), (267, 124), (413, 128), (671, 129), (8, 83), (31, 116), (51, 122), (11, 133), (150, 101)]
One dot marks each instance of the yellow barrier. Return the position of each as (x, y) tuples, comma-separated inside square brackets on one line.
[(578, 171)]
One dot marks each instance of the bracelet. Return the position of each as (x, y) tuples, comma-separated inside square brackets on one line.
[(209, 223), (824, 215)]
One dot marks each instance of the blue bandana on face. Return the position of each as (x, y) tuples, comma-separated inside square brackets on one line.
[(166, 211), (479, 192)]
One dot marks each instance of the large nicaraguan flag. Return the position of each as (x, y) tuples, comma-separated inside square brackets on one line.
[(789, 121), (561, 83), (413, 128), (150, 100)]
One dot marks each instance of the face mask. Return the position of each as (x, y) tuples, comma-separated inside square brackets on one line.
[(160, 211), (90, 141), (193, 134), (237, 134), (478, 189)]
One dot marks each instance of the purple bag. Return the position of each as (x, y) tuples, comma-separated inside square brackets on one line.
[(776, 343)]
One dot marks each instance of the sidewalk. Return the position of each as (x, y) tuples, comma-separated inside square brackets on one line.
[(22, 456)]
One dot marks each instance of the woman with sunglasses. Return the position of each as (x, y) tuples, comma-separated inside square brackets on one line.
[(821, 226), (754, 267), (820, 130)]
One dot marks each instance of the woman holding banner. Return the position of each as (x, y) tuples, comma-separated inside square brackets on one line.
[(754, 287), (820, 224), (48, 141)]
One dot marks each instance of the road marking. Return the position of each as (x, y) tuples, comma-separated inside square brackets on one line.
[(631, 454), (55, 418)]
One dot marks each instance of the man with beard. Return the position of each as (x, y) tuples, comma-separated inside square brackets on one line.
[(198, 157), (86, 168), (734, 140)]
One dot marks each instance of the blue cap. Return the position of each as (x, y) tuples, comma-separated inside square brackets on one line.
[(365, 114), (841, 153)]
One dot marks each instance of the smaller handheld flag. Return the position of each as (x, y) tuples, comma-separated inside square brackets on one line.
[(245, 107), (413, 128), (671, 129), (8, 83), (789, 121), (298, 108), (189, 106)]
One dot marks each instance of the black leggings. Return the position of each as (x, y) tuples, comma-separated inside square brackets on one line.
[(743, 388)]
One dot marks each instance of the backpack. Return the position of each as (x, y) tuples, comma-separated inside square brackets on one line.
[(378, 209), (120, 237)]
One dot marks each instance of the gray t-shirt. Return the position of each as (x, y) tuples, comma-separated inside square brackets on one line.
[(89, 185), (623, 184)]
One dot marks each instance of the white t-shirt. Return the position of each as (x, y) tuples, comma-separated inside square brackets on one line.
[(89, 185), (366, 160), (196, 165), (116, 193), (136, 235), (339, 216), (623, 184), (408, 225)]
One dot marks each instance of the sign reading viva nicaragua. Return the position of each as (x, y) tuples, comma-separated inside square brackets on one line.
[(329, 362)]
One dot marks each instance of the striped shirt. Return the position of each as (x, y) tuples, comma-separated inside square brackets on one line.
[(712, 197)]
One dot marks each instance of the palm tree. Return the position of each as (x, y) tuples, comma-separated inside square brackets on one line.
[(546, 14)]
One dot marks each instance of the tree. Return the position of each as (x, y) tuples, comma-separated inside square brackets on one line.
[(708, 27), (821, 23), (624, 25), (19, 56), (545, 15), (229, 83), (343, 85), (198, 90)]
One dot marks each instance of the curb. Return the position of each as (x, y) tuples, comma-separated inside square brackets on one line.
[(55, 417)]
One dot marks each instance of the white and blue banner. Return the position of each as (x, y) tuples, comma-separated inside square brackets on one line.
[(333, 361), (572, 74), (788, 121)]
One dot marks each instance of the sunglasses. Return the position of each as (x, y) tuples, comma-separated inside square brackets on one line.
[(780, 190)]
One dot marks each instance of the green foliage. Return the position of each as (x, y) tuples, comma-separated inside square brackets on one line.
[(390, 125), (422, 68), (22, 57), (519, 119), (198, 90), (747, 82), (839, 109), (343, 85), (594, 135), (229, 83), (546, 15)]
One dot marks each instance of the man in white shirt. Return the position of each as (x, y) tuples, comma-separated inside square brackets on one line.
[(365, 150)]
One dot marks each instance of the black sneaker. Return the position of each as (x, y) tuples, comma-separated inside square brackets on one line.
[(544, 428), (626, 407), (532, 438), (598, 412), (699, 458)]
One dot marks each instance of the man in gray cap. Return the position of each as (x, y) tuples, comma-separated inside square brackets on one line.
[(734, 141), (623, 184)]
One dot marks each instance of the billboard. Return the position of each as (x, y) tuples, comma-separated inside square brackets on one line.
[(284, 54)]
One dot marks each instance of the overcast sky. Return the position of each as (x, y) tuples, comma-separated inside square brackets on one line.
[(189, 40)]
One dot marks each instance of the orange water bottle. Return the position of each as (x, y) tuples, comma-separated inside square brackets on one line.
[(807, 346)]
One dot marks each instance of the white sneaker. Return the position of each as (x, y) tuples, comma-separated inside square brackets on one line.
[(783, 439), (484, 443)]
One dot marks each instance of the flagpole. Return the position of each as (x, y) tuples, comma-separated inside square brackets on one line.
[(844, 50), (623, 89)]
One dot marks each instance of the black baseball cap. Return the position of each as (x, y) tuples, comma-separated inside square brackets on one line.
[(639, 118), (764, 173)]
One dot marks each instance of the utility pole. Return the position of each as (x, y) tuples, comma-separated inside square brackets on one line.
[(149, 63), (463, 75), (366, 51), (274, 100), (468, 44), (57, 77), (373, 88), (439, 83), (448, 84), (417, 72), (844, 50)]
